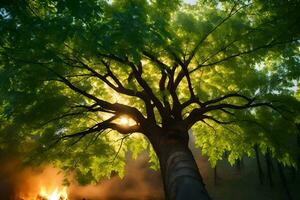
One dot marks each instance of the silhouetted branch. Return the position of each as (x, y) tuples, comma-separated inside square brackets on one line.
[(195, 49), (266, 46), (198, 114), (182, 73), (119, 149), (138, 76)]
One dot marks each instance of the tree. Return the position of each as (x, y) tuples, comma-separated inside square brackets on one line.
[(80, 79)]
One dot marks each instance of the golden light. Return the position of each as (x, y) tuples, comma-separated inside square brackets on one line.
[(125, 120), (56, 194)]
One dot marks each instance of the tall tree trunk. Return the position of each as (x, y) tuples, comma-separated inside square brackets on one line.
[(270, 167), (238, 165), (180, 174), (215, 175), (259, 168), (284, 182), (293, 174), (298, 142)]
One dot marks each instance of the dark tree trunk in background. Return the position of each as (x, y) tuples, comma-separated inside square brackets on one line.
[(269, 167), (180, 174), (294, 174), (284, 182), (238, 164), (215, 175), (298, 142), (259, 168)]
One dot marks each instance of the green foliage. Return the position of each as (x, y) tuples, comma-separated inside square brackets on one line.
[(255, 53)]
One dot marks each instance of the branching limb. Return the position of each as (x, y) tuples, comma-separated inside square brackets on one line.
[(119, 149), (86, 109), (172, 89), (188, 78), (162, 88), (184, 72), (97, 127), (273, 43), (191, 101), (119, 86), (138, 76), (232, 12), (223, 48), (160, 64), (199, 113), (147, 89), (69, 114), (121, 89), (217, 100), (104, 125), (77, 62), (120, 108), (213, 101), (210, 126), (218, 121)]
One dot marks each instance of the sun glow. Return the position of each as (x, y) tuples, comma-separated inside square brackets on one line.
[(125, 120), (56, 194)]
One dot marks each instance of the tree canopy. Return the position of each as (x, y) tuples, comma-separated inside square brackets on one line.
[(71, 71)]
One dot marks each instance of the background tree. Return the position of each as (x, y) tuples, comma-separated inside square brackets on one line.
[(80, 79)]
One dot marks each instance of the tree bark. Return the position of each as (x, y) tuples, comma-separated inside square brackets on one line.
[(298, 142), (239, 164), (294, 174), (269, 167), (180, 174), (259, 168), (284, 182), (215, 175)]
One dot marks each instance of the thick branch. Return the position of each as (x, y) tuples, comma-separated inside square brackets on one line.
[(162, 88), (96, 128), (199, 113), (226, 97), (176, 111), (165, 72), (121, 89), (140, 80), (218, 121), (188, 78), (147, 89), (154, 59), (120, 108), (107, 124)]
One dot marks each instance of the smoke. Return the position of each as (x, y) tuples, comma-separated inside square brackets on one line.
[(18, 183), (140, 182)]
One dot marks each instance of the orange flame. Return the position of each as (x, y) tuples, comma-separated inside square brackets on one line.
[(56, 194)]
